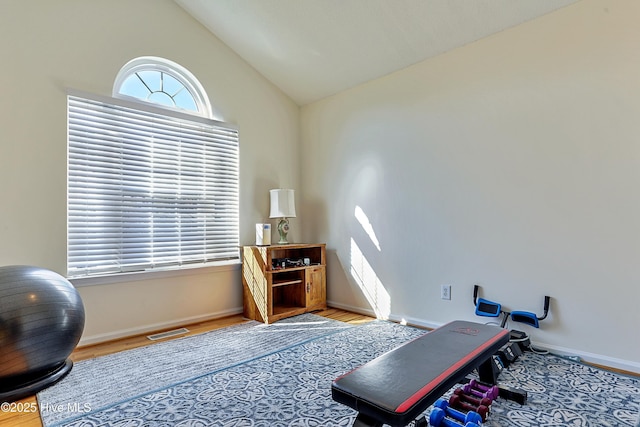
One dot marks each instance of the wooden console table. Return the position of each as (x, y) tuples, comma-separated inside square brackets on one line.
[(283, 280)]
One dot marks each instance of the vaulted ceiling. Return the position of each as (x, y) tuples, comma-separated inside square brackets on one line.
[(312, 49)]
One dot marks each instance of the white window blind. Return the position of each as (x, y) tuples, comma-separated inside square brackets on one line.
[(148, 188)]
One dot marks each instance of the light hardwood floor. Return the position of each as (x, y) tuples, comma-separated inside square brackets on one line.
[(31, 418)]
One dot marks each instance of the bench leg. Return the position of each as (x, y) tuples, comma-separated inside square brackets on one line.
[(488, 371), (366, 421)]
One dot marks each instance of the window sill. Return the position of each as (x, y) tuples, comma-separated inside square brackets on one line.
[(136, 276)]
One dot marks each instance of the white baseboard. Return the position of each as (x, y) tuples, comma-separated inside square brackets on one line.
[(123, 333), (368, 312), (353, 309), (598, 359)]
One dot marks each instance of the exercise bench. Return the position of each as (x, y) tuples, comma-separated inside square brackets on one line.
[(396, 387)]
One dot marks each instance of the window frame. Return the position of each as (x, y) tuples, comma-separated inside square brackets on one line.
[(152, 108)]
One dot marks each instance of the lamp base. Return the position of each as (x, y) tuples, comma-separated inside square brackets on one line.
[(283, 229)]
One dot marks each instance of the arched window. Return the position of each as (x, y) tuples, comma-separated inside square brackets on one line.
[(162, 82), (153, 181)]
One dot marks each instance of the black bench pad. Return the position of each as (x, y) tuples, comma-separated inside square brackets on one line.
[(396, 387)]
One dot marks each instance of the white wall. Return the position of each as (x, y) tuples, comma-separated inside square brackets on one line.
[(513, 162), (49, 46)]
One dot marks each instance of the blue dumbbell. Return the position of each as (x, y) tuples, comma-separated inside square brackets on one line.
[(438, 418), (469, 417)]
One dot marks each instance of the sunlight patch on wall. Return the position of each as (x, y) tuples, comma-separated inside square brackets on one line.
[(369, 283), (366, 225)]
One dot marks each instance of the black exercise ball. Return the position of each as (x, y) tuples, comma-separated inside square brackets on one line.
[(41, 322)]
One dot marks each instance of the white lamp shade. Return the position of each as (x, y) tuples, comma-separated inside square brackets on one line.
[(282, 204)]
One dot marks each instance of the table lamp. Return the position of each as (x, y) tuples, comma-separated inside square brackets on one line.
[(283, 207)]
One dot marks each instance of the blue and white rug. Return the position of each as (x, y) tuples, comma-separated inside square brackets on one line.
[(292, 387), (104, 381)]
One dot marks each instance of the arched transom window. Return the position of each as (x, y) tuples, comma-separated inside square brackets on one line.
[(161, 82)]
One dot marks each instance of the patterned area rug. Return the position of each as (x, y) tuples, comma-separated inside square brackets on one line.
[(98, 383), (291, 387), (562, 392), (565, 393)]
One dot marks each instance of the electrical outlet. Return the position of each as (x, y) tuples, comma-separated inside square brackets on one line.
[(445, 292)]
